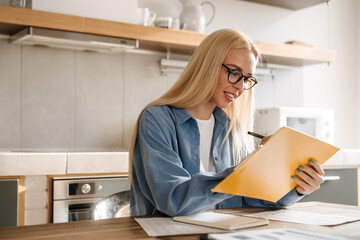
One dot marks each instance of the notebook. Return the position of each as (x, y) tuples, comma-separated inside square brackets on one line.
[(266, 173), (226, 221)]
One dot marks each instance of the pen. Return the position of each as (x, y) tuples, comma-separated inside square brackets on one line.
[(256, 135)]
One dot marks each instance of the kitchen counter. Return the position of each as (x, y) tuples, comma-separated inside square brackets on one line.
[(344, 158), (59, 163)]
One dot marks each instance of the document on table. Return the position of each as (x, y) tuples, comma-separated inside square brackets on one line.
[(305, 217), (275, 233), (165, 226)]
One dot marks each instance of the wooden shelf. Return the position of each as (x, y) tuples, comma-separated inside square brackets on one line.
[(151, 38)]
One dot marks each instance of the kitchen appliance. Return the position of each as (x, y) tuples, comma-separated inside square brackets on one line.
[(74, 196), (72, 40), (316, 122)]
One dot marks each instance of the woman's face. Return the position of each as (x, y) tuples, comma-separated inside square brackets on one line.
[(225, 92)]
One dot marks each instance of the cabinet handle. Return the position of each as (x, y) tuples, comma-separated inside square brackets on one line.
[(331, 178)]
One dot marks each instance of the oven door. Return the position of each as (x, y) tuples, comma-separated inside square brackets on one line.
[(72, 210)]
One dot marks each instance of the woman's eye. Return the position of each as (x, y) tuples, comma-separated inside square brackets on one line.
[(236, 73), (233, 73)]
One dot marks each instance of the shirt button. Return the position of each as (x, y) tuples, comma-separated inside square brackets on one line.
[(216, 158)]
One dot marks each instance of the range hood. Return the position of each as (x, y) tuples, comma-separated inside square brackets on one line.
[(71, 40)]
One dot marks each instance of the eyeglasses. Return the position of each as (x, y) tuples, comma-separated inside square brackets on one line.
[(235, 76)]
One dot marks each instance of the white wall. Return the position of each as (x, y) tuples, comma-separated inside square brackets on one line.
[(54, 98), (325, 86), (357, 33), (335, 86)]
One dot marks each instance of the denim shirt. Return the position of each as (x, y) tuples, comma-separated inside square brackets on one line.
[(166, 171)]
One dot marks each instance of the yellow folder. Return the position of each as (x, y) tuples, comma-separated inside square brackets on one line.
[(266, 173)]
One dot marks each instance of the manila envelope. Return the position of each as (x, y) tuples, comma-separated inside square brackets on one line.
[(266, 173)]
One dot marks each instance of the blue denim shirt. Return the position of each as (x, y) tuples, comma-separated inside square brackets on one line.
[(166, 172)]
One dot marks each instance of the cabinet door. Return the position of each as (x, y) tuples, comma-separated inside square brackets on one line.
[(342, 189), (9, 202)]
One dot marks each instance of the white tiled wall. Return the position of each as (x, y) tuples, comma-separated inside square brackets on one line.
[(143, 84), (99, 107), (47, 97), (9, 94), (62, 99)]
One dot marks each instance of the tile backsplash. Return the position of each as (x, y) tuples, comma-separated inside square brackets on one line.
[(62, 99)]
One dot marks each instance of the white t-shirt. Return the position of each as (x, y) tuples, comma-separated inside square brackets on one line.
[(206, 128)]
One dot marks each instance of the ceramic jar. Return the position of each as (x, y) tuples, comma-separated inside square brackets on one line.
[(193, 16)]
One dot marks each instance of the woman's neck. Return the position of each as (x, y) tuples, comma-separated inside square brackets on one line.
[(201, 111)]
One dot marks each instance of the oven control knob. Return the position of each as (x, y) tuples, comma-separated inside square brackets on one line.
[(85, 188), (99, 188)]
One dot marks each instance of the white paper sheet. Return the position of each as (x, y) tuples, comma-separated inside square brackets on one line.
[(275, 234), (305, 217), (162, 226)]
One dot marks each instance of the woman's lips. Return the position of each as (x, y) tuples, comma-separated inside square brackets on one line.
[(230, 96)]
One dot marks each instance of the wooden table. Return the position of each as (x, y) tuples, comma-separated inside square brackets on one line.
[(127, 228)]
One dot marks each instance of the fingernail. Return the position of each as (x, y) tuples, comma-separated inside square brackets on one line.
[(301, 167), (292, 177), (312, 161), (298, 170)]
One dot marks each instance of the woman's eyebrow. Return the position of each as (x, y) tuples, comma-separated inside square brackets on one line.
[(235, 66)]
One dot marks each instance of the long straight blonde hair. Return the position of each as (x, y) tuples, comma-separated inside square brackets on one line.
[(197, 84)]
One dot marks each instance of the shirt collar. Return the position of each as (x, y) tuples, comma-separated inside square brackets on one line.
[(182, 115)]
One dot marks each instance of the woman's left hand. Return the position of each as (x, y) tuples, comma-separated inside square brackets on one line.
[(309, 178)]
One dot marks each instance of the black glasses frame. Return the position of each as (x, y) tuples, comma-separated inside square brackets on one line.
[(251, 78)]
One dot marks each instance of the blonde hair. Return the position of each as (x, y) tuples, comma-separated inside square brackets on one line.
[(197, 84)]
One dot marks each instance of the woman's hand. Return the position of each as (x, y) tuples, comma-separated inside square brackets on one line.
[(309, 178)]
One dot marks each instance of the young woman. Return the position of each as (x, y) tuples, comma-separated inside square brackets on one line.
[(190, 139)]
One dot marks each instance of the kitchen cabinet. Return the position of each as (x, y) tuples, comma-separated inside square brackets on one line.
[(342, 186), (152, 38), (12, 201), (290, 4)]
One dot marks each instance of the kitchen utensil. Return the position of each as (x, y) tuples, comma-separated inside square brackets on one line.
[(193, 15), (145, 16), (164, 22), (177, 24)]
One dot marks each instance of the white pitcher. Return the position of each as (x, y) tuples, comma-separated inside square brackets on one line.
[(193, 15)]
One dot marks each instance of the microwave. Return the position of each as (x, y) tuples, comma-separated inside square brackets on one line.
[(316, 122)]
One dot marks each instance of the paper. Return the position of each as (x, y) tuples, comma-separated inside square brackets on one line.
[(266, 174), (162, 226), (275, 234), (220, 220), (305, 217)]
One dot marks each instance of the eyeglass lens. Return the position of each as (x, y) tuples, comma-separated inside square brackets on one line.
[(236, 76)]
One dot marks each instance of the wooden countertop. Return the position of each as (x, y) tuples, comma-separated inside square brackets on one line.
[(127, 228), (152, 38)]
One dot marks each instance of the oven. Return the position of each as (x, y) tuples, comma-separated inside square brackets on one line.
[(74, 196)]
